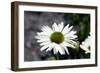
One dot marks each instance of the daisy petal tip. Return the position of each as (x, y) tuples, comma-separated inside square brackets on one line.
[(62, 53), (67, 53), (41, 49), (62, 23), (54, 24), (68, 25)]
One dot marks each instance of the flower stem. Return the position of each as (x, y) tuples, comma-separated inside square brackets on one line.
[(57, 57)]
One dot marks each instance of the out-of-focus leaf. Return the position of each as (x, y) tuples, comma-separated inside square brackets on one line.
[(51, 58)]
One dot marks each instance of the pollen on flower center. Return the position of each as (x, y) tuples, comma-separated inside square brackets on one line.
[(57, 37)]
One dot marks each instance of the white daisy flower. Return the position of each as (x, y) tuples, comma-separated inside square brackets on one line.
[(86, 45), (57, 38)]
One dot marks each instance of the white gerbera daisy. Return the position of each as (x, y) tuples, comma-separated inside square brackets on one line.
[(57, 38), (86, 45)]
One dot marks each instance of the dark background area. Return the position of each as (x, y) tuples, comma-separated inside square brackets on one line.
[(33, 21)]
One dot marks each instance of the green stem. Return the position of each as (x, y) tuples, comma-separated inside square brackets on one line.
[(57, 56)]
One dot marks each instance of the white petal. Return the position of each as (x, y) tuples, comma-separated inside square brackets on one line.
[(51, 46), (70, 41), (47, 29), (71, 33), (43, 34), (43, 40), (66, 49), (55, 27), (44, 47), (49, 49), (66, 29), (85, 45), (41, 37), (67, 44), (87, 52), (70, 37), (70, 28), (61, 26), (55, 50), (60, 49), (85, 48), (44, 43)]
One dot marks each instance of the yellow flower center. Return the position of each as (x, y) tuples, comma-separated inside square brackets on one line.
[(57, 37)]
